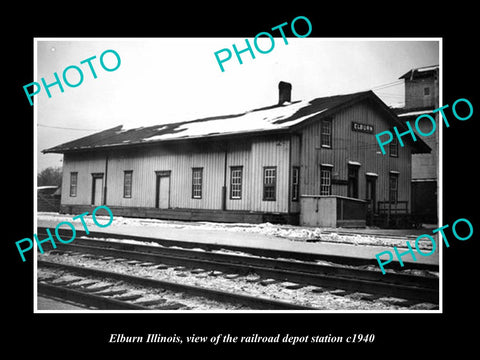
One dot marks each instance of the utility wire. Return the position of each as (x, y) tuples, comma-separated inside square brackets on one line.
[(67, 128), (382, 86)]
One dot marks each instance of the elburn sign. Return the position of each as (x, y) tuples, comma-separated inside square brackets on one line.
[(366, 128)]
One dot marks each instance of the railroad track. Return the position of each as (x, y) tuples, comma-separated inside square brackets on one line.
[(113, 291), (259, 252), (267, 264)]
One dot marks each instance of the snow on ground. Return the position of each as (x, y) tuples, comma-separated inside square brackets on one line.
[(289, 232), (252, 285)]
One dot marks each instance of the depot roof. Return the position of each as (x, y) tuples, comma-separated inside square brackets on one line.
[(420, 73), (277, 118)]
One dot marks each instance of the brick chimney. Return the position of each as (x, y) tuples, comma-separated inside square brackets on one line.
[(284, 92)]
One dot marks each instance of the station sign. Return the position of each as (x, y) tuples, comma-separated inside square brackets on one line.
[(366, 128)]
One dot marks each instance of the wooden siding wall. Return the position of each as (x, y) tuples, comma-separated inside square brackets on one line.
[(252, 155), (239, 154), (179, 161), (295, 157), (271, 153), (348, 145), (84, 166)]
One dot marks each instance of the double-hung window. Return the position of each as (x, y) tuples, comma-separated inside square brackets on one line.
[(197, 183), (269, 183), (393, 147), (236, 182), (73, 183), (325, 180), (295, 183), (326, 133), (127, 183)]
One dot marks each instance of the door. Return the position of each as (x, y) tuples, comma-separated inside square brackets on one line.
[(163, 190), (97, 189), (352, 190), (371, 194)]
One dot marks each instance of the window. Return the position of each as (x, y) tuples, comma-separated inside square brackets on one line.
[(236, 182), (326, 133), (325, 180), (295, 183), (73, 183), (197, 182), (393, 188), (127, 183), (426, 91), (394, 147), (269, 183)]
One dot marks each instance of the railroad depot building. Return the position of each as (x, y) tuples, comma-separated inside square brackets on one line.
[(311, 162)]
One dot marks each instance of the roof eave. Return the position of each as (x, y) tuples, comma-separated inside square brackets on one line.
[(220, 137), (418, 146)]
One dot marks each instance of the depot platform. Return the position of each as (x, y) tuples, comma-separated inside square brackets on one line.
[(188, 232)]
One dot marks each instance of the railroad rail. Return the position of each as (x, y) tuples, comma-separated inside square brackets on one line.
[(87, 300), (104, 302), (340, 274), (259, 252)]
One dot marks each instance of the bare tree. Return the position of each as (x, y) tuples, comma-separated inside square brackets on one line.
[(50, 176)]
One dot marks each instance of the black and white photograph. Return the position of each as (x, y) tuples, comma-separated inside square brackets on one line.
[(269, 192), (272, 181)]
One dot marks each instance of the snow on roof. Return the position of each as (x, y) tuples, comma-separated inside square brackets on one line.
[(249, 122), (414, 72), (280, 117), (271, 118), (427, 68), (413, 113)]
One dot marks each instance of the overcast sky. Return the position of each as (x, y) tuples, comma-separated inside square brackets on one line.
[(175, 79)]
